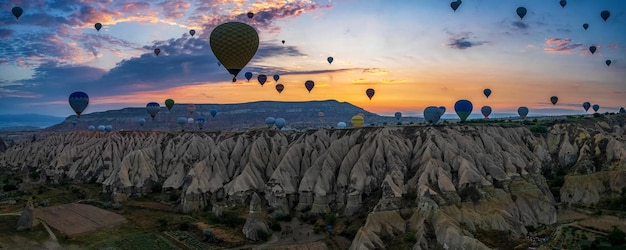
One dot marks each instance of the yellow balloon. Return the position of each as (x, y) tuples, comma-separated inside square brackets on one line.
[(357, 121), (234, 44)]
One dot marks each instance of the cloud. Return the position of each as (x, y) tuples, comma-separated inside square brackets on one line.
[(360, 80), (392, 81), (375, 71), (613, 45), (520, 25), (462, 41), (560, 45)]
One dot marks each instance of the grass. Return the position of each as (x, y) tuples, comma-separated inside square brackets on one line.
[(147, 241)]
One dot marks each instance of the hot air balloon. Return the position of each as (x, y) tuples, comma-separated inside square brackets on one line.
[(280, 123), (554, 100), (101, 128), (622, 110), (234, 44), (486, 111), (487, 92), (213, 112), (563, 3), (341, 124), (262, 79), (153, 109), (200, 121), (91, 128), (250, 15), (108, 128), (521, 12), (283, 41), (78, 101), (98, 26), (357, 121), (443, 110), (592, 49), (192, 32), (463, 109), (169, 103), (605, 14), (608, 62), (432, 114), (522, 112), (309, 85), (157, 51), (280, 88), (455, 5), (276, 77), (270, 121), (595, 107), (190, 121), (330, 59), (248, 75), (17, 12), (181, 121), (586, 106), (191, 108), (585, 26), (398, 115), (370, 93), (320, 115), (361, 115), (142, 121)]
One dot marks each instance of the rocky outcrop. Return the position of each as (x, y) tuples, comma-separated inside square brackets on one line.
[(255, 224), (455, 178), (3, 146)]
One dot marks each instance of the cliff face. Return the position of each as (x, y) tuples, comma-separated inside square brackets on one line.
[(441, 181)]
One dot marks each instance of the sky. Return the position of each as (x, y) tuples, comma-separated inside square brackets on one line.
[(414, 54)]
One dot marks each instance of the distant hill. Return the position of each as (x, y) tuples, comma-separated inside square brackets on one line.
[(28, 120), (298, 115)]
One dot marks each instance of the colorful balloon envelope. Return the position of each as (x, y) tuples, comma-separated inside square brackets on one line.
[(200, 121), (341, 124), (269, 121), (398, 115), (487, 92), (280, 87), (554, 100), (608, 62), (182, 121), (142, 121), (17, 12), (486, 111), (432, 114), (605, 14), (169, 103), (98, 26), (595, 107), (234, 44), (192, 32), (191, 108), (309, 85), (153, 109), (585, 26), (248, 75), (280, 123), (586, 106), (370, 93), (213, 112), (455, 5), (262, 79), (78, 101), (250, 15), (330, 59), (357, 121), (463, 109), (563, 3), (592, 49), (157, 51), (443, 109), (522, 112), (521, 12), (276, 77)]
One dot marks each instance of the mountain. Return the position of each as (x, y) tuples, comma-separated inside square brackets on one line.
[(298, 115), (28, 120), (441, 186)]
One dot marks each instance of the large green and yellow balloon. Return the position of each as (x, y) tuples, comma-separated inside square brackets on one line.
[(234, 44)]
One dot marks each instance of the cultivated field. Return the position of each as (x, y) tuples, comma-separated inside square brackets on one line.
[(75, 219)]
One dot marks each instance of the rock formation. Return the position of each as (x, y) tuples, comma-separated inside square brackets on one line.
[(454, 178), (255, 224), (28, 219)]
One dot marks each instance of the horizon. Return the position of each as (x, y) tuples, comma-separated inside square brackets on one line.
[(414, 54)]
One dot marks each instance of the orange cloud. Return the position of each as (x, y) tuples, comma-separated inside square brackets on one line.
[(375, 71), (560, 45)]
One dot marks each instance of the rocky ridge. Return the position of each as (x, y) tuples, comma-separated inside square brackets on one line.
[(440, 183)]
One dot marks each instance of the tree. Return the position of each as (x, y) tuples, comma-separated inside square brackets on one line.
[(617, 237)]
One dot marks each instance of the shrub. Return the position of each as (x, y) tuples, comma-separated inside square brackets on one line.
[(409, 237), (539, 129), (617, 237), (158, 187), (9, 188)]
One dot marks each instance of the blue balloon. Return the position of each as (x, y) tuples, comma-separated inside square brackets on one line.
[(248, 75), (486, 110), (341, 124), (200, 121), (595, 107), (463, 109), (280, 123), (398, 115), (487, 92), (276, 77), (101, 128), (78, 101), (270, 121), (432, 114), (142, 122), (181, 121), (153, 109), (213, 112), (522, 112), (108, 128), (91, 128)]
